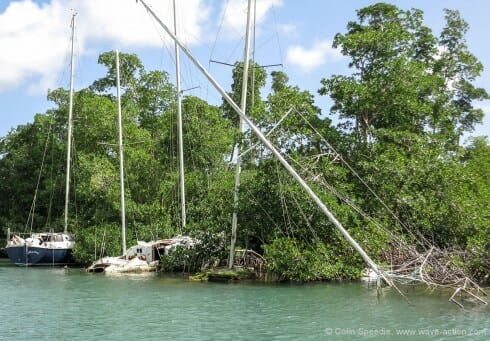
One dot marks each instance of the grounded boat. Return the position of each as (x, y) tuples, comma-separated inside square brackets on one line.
[(47, 248), (133, 259), (143, 257), (122, 265)]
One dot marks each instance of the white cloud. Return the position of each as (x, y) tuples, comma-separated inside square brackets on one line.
[(308, 59), (128, 24), (234, 15), (34, 38), (31, 40), (288, 29)]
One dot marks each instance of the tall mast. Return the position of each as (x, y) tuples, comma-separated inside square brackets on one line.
[(238, 167), (179, 124), (121, 157), (273, 149), (70, 125)]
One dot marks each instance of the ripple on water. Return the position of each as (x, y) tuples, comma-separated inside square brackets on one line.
[(42, 304)]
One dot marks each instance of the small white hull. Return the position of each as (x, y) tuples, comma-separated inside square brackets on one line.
[(122, 265), (134, 265), (143, 257)]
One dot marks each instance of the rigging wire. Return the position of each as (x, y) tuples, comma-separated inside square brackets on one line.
[(211, 55), (66, 60), (407, 229), (285, 212), (289, 222), (344, 198), (252, 100), (74, 178), (220, 26), (277, 34), (51, 181), (263, 209), (32, 210), (171, 151), (341, 197)]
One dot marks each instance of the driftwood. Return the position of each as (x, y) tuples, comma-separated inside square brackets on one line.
[(250, 259), (432, 266), (435, 268)]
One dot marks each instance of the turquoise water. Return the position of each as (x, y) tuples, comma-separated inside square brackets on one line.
[(69, 304)]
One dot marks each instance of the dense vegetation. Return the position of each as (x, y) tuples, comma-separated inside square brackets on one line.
[(398, 161)]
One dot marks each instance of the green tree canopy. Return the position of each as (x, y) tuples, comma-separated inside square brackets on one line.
[(404, 78)]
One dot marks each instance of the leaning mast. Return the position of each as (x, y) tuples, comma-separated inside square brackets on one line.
[(273, 150)]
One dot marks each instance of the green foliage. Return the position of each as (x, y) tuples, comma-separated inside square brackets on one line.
[(434, 94), (401, 114), (403, 132), (291, 259), (97, 241), (209, 250), (422, 189), (130, 67), (154, 95), (256, 80), (210, 199), (24, 153), (475, 198)]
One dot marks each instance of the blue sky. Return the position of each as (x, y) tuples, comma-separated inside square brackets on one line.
[(35, 40)]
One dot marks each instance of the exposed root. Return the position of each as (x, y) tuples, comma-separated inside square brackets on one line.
[(435, 268)]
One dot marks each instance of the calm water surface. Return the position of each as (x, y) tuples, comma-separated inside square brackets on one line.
[(69, 304)]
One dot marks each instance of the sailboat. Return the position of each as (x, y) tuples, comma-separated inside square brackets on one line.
[(48, 248), (143, 257)]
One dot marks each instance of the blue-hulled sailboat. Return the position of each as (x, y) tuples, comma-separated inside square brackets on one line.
[(48, 248)]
